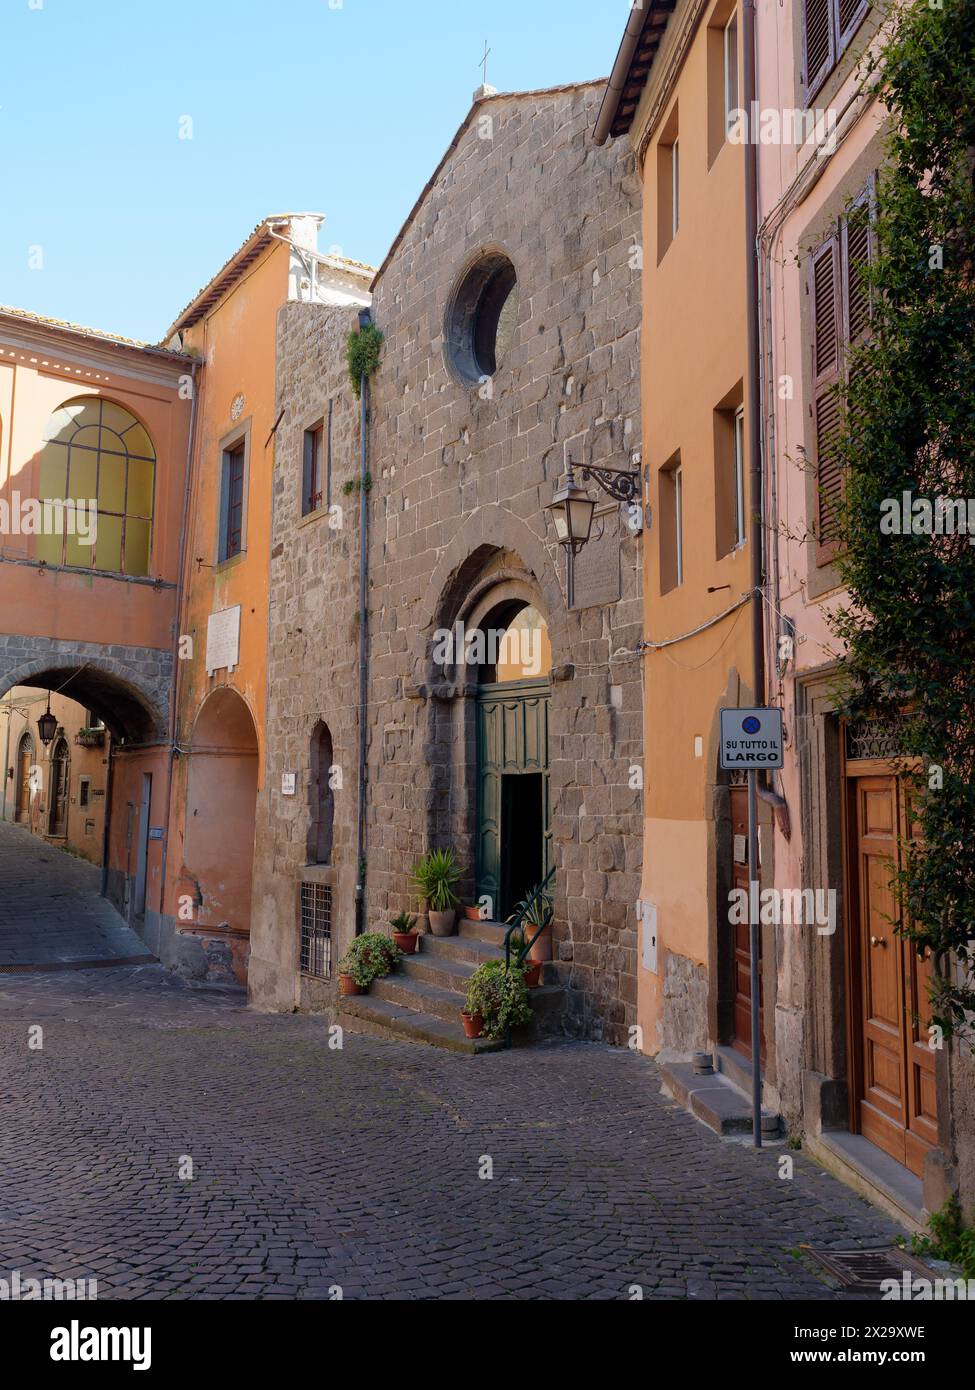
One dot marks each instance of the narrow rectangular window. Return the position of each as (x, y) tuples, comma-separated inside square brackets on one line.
[(312, 497), (84, 792), (730, 73), (233, 502), (670, 483), (668, 184), (679, 522), (739, 445)]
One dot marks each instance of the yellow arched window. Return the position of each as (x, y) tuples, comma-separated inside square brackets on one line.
[(96, 454)]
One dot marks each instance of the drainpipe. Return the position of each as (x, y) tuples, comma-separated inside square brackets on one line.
[(754, 400), (180, 591), (365, 318), (107, 827)]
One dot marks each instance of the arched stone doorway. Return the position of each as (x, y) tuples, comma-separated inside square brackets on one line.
[(25, 761), (218, 850), (57, 824), (514, 835), (493, 801)]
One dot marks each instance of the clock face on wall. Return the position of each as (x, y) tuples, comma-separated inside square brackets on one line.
[(237, 406)]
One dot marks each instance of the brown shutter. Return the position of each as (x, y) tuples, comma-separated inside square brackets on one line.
[(851, 12), (825, 290), (858, 252), (818, 43)]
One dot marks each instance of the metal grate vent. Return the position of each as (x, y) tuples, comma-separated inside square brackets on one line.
[(316, 930), (875, 738), (861, 1271)]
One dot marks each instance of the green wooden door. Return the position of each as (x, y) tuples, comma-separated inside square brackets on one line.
[(512, 741)]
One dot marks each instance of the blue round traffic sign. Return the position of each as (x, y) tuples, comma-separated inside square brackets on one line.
[(751, 725)]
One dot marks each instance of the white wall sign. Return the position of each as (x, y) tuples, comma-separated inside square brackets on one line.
[(223, 639), (289, 783), (751, 738)]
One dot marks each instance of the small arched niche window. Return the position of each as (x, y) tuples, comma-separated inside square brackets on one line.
[(321, 797), (516, 645), (95, 452)]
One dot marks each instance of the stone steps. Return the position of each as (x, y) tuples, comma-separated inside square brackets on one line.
[(422, 1000), (715, 1098)]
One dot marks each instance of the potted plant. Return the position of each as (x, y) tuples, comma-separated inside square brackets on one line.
[(532, 969), (536, 912), (497, 999), (473, 912), (434, 876), (369, 957), (405, 933)]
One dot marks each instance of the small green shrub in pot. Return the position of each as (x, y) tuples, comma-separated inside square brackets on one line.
[(404, 932), (499, 996), (369, 957)]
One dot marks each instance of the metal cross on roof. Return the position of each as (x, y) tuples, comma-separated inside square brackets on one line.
[(483, 63)]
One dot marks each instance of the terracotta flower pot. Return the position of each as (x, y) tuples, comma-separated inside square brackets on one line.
[(407, 941), (473, 1023), (347, 985), (472, 914), (533, 974), (442, 923), (541, 950)]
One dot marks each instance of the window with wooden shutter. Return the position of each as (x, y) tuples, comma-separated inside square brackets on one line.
[(840, 314), (827, 28), (825, 289), (849, 15), (819, 52), (857, 246)]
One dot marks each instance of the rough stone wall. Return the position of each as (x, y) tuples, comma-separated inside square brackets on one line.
[(461, 479), (312, 654)]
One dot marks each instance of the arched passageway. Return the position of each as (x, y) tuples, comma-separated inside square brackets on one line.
[(218, 849)]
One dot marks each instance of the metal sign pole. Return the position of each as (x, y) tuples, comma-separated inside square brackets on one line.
[(753, 939)]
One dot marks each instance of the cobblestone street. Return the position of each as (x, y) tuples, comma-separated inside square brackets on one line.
[(360, 1167)]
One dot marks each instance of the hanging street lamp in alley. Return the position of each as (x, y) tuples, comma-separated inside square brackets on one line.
[(47, 725)]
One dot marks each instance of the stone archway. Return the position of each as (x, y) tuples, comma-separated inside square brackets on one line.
[(127, 687)]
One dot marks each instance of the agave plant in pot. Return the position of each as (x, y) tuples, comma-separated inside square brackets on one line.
[(535, 914), (434, 877), (497, 1000), (405, 933), (369, 957)]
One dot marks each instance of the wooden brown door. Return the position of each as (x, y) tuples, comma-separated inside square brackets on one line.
[(25, 757), (922, 1109), (742, 1013), (896, 1073), (59, 790)]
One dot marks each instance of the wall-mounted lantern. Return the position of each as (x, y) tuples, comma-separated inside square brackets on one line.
[(572, 509)]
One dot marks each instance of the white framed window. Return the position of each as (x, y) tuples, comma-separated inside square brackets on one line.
[(740, 476), (679, 524), (731, 73), (675, 187)]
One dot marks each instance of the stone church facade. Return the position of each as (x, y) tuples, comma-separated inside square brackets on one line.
[(510, 309)]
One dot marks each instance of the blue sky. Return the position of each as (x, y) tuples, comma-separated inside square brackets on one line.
[(342, 108)]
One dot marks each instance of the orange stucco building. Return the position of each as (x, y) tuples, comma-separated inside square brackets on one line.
[(684, 69), (89, 591), (203, 924)]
